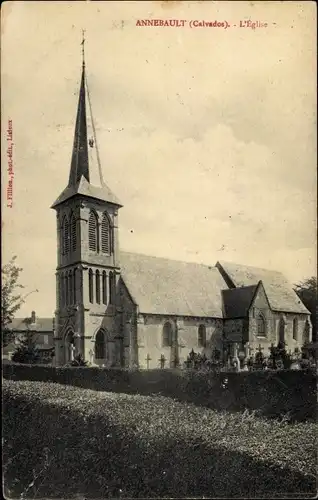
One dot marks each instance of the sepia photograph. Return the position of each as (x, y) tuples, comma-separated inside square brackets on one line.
[(159, 249)]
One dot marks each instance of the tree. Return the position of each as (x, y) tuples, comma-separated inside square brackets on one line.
[(11, 300), (26, 352), (307, 292)]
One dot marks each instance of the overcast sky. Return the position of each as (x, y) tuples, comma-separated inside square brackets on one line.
[(206, 135)]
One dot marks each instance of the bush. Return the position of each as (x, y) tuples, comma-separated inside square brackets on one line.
[(272, 393), (26, 352), (98, 445), (79, 361)]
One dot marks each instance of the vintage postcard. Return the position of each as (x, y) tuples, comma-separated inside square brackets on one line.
[(159, 270)]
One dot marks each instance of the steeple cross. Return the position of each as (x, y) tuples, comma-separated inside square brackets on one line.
[(83, 46)]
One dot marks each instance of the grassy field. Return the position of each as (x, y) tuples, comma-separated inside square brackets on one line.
[(66, 442)]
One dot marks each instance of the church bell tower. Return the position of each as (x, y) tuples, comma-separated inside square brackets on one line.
[(87, 270)]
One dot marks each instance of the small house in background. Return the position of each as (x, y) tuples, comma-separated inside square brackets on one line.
[(39, 330), (8, 350)]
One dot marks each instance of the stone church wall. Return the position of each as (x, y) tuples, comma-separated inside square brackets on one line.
[(273, 320), (234, 330), (303, 321), (261, 307), (127, 325), (150, 339)]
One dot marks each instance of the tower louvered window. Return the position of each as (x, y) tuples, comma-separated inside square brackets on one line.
[(90, 286), (106, 235), (104, 287), (97, 283), (65, 237), (73, 233), (93, 232)]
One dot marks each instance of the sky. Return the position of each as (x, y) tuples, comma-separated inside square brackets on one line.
[(206, 135)]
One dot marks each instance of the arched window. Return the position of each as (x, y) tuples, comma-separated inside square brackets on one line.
[(97, 283), (70, 286), (261, 327), (167, 335), (106, 234), (295, 329), (100, 345), (65, 237), (104, 287), (202, 336), (112, 284), (93, 232), (66, 290), (90, 286), (73, 233)]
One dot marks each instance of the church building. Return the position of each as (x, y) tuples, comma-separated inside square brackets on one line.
[(131, 310)]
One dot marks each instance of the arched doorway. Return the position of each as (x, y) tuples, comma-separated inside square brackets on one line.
[(100, 348), (69, 346)]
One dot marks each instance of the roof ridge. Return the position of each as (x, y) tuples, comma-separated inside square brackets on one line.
[(211, 267), (225, 262)]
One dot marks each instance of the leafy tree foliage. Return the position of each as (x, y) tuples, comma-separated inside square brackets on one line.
[(279, 357), (11, 300), (26, 351), (307, 291)]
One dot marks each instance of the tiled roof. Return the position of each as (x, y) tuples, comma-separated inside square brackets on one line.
[(279, 291), (163, 286), (86, 189), (237, 301), (42, 325)]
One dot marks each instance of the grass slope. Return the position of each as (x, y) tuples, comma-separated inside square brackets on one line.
[(61, 442)]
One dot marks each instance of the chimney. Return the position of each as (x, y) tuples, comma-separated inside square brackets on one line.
[(33, 317)]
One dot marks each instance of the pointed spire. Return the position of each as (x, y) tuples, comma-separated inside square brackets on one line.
[(79, 164), (86, 173), (83, 48)]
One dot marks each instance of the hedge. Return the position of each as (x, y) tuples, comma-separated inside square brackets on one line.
[(66, 442), (272, 393)]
